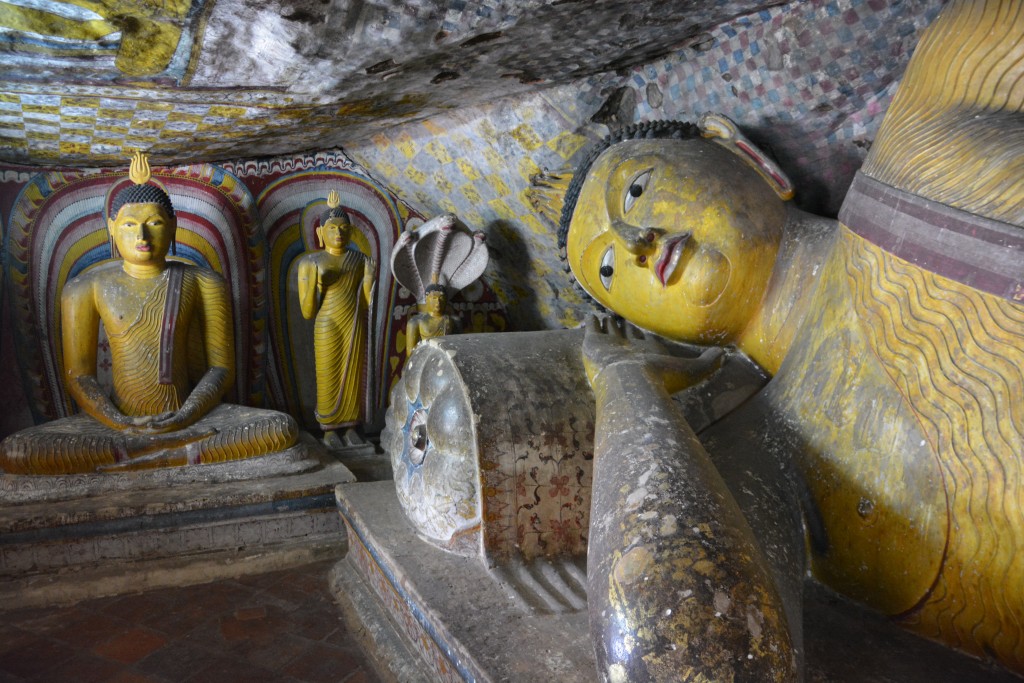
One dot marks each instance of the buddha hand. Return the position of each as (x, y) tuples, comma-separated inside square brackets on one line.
[(606, 345)]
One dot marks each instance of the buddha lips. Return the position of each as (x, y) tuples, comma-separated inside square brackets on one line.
[(669, 259)]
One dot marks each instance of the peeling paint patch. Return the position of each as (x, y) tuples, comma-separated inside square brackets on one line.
[(722, 602), (633, 565)]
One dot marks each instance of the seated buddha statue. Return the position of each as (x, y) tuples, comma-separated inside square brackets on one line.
[(169, 327), (433, 261), (883, 456), (433, 320)]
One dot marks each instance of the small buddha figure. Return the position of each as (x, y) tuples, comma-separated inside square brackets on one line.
[(160, 318), (431, 261), (433, 320), (336, 288)]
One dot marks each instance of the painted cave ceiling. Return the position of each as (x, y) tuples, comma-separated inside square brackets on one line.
[(192, 80)]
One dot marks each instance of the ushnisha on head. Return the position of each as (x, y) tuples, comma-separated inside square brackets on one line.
[(335, 227), (142, 223), (676, 227)]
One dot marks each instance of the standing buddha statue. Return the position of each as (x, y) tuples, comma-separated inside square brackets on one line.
[(336, 288)]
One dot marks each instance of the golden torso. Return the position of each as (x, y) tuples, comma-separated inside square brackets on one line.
[(431, 326), (132, 311), (160, 318)]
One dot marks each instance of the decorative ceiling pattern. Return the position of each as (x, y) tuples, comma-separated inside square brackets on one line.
[(219, 79)]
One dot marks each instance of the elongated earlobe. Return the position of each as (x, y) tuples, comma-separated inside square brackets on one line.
[(114, 253)]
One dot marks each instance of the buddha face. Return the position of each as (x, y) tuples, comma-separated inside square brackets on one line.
[(334, 234), (436, 303), (143, 233), (677, 236)]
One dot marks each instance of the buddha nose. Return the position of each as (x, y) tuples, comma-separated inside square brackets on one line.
[(637, 239)]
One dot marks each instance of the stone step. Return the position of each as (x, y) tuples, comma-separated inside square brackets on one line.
[(63, 551)]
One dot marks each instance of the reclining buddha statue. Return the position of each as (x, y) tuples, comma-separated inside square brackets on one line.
[(169, 327), (888, 442)]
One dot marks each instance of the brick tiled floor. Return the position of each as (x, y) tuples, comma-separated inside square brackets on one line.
[(280, 627)]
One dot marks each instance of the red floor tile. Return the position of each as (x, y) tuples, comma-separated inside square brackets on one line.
[(324, 664), (132, 645), (92, 629), (282, 627)]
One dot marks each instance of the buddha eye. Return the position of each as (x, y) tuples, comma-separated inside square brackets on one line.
[(607, 267), (635, 189)]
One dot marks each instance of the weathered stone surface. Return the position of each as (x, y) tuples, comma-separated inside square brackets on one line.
[(460, 621), (64, 551), (446, 618), (491, 438)]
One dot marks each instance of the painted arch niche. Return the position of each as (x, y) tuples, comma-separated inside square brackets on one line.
[(290, 208), (57, 230)]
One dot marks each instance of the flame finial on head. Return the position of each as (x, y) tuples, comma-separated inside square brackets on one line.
[(333, 199), (138, 171)]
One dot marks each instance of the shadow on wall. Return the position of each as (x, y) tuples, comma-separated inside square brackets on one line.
[(514, 276)]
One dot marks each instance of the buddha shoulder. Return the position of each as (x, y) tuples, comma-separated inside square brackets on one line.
[(102, 279)]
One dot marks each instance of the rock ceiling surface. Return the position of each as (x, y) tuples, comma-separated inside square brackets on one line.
[(202, 80)]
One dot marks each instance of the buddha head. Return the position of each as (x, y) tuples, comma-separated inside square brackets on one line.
[(676, 232), (335, 227), (142, 223), (436, 301)]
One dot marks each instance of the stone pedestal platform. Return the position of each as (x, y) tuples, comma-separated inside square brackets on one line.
[(123, 540), (447, 617), (430, 615)]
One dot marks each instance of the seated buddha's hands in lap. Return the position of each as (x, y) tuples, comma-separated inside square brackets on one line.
[(171, 421), (607, 343)]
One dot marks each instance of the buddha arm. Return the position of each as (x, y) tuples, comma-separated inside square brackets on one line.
[(673, 568), (369, 270), (310, 288), (412, 333), (80, 323)]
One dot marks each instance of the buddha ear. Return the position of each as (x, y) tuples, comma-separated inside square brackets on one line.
[(723, 131), (114, 253), (320, 236)]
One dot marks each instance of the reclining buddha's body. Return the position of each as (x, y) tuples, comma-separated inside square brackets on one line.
[(887, 442)]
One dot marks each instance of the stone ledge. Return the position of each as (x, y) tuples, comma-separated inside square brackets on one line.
[(117, 578)]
